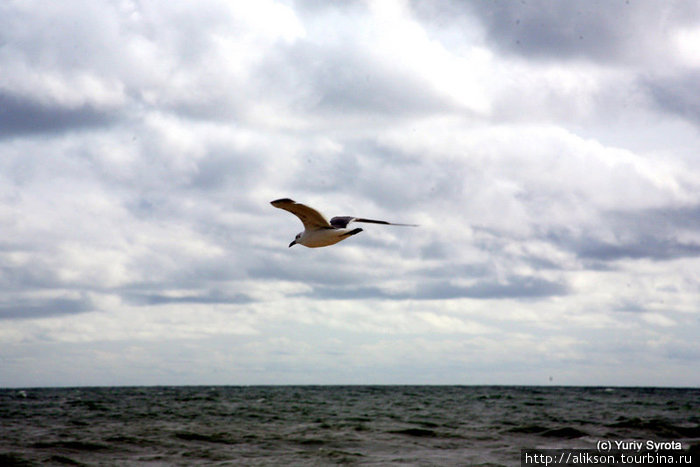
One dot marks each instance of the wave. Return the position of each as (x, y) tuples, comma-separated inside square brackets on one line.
[(658, 427)]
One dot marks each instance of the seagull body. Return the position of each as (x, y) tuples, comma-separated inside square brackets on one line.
[(318, 231)]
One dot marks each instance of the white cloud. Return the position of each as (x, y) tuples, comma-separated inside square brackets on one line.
[(396, 37), (688, 46)]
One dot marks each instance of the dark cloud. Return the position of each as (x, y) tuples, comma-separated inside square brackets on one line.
[(520, 287), (21, 116), (556, 29), (154, 136), (638, 248), (38, 276), (316, 6), (655, 234), (679, 95), (40, 308), (597, 30), (352, 293), (670, 219), (339, 80), (211, 298), (515, 287), (630, 306)]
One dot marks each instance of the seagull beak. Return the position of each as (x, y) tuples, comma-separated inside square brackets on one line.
[(294, 242)]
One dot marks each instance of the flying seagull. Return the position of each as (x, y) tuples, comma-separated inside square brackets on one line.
[(318, 231)]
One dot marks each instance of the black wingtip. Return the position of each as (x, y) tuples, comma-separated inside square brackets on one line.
[(282, 200), (352, 232)]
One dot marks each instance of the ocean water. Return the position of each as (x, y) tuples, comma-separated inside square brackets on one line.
[(331, 425)]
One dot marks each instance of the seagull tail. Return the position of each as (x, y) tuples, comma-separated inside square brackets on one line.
[(373, 221)]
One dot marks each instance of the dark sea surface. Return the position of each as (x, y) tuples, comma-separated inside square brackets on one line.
[(330, 425)]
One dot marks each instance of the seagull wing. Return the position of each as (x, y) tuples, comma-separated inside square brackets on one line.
[(341, 222), (311, 218)]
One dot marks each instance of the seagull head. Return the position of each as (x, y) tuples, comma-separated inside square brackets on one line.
[(296, 240)]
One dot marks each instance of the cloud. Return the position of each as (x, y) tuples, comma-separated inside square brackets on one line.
[(525, 287), (516, 287), (40, 308), (20, 116), (640, 248), (659, 234), (677, 95), (550, 164), (574, 30), (346, 82), (209, 297)]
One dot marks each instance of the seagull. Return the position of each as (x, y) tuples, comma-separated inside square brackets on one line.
[(318, 231)]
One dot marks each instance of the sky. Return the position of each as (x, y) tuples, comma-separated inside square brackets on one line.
[(550, 152)]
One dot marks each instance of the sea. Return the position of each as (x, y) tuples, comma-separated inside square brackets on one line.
[(332, 425)]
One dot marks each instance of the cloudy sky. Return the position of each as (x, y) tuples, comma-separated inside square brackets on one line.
[(550, 152)]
